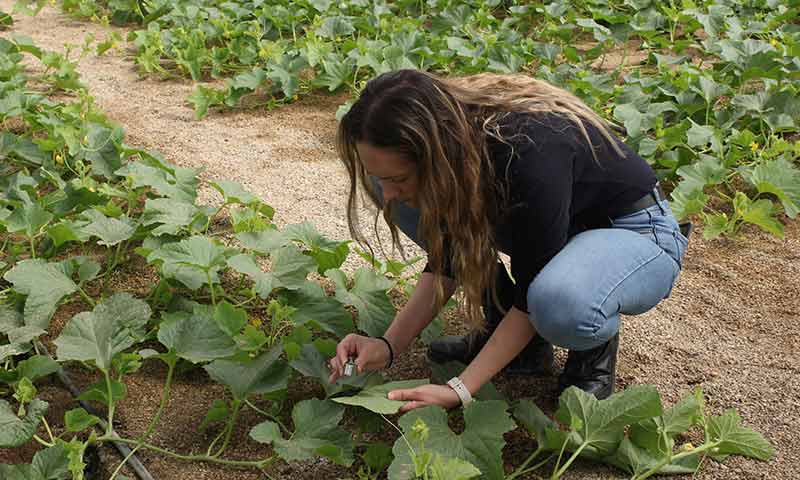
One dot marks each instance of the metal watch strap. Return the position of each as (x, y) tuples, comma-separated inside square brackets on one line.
[(461, 390)]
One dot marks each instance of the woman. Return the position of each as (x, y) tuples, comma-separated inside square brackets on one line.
[(479, 165)]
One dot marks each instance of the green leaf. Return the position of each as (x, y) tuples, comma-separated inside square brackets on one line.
[(36, 367), (261, 375), (78, 419), (109, 231), (173, 182), (782, 179), (736, 439), (316, 431), (699, 135), (312, 305), (368, 296), (218, 412), (650, 433), (195, 336), (190, 260), (233, 192), (327, 253), (760, 212), (375, 398), (535, 422), (230, 319), (601, 424), (172, 215), (48, 464), (452, 469), (290, 267), (708, 171), (378, 456), (480, 444), (44, 284), (30, 218), (101, 149), (716, 224), (637, 461), (98, 392), (113, 326), (15, 431), (263, 242), (263, 282), (335, 26)]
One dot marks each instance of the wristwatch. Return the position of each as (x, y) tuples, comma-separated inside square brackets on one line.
[(461, 390)]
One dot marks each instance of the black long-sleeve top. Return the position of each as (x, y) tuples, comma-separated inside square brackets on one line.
[(556, 189)]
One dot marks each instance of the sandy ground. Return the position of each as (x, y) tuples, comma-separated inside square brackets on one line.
[(730, 326)]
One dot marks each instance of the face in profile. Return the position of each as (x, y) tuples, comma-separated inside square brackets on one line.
[(396, 174)]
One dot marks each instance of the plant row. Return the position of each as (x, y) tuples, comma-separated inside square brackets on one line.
[(246, 302), (709, 96)]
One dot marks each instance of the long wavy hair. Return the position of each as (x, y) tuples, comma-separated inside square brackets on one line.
[(443, 127)]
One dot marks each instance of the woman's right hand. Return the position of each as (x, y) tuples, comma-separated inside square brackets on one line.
[(369, 353)]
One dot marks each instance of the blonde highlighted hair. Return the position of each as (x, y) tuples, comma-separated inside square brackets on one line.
[(443, 126)]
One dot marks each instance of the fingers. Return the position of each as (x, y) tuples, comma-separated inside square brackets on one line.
[(412, 405)]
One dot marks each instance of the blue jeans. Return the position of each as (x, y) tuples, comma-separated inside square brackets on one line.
[(576, 299)]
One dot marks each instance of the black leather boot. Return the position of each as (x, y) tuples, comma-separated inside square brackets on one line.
[(535, 359), (593, 371)]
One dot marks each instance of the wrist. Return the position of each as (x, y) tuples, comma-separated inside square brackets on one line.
[(461, 390), (390, 350)]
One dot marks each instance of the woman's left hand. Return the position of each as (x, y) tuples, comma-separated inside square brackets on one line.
[(425, 395)]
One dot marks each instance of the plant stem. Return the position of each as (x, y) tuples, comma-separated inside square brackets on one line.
[(269, 416), (237, 405), (86, 297), (211, 287), (665, 461), (43, 442), (195, 458), (523, 469), (33, 248), (49, 432), (572, 458), (110, 425), (153, 422)]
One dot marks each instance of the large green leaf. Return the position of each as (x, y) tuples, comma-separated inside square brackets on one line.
[(290, 267), (101, 149), (760, 212), (195, 336), (191, 260), (481, 442), (109, 231), (233, 192), (263, 282), (601, 424), (656, 434), (15, 431), (261, 375), (171, 215), (44, 284), (636, 460), (782, 179), (48, 464), (113, 326), (29, 218), (263, 242), (314, 306), (368, 296), (327, 253), (535, 422), (736, 439), (176, 183), (442, 372), (375, 398), (316, 432)]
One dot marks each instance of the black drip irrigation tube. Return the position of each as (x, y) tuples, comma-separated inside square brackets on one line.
[(125, 451)]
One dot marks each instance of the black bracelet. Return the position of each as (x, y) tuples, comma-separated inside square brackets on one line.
[(391, 351)]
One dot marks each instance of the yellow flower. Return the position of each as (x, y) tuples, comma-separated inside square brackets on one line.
[(256, 322), (774, 42), (687, 446), (608, 110), (59, 159), (754, 146)]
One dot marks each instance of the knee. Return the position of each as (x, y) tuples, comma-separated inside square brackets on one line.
[(562, 314)]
